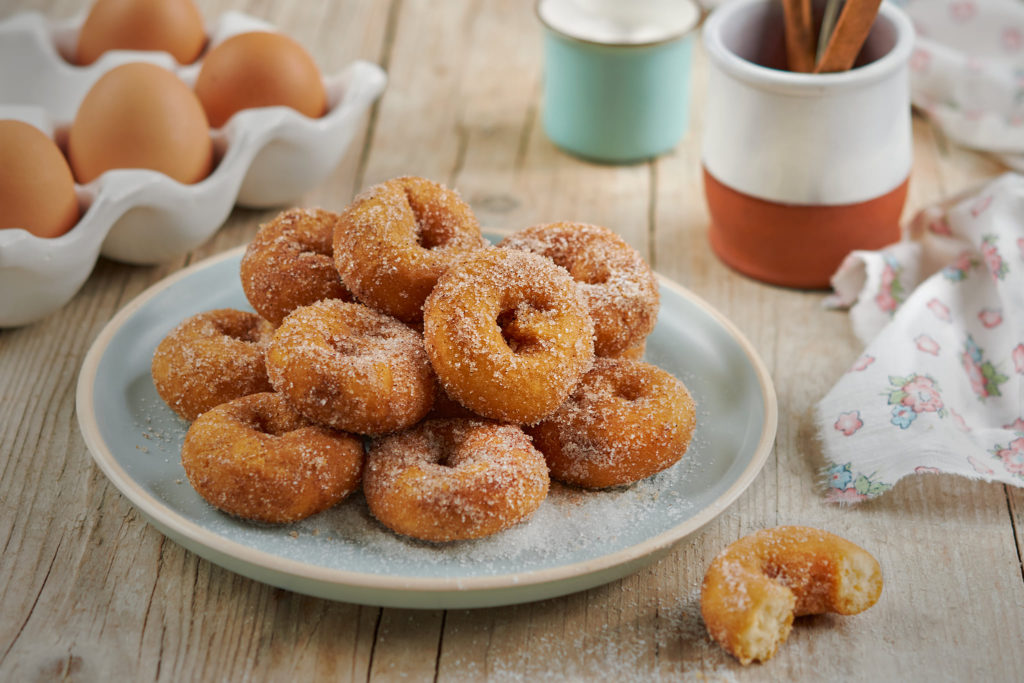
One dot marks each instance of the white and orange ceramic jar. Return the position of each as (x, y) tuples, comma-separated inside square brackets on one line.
[(800, 169)]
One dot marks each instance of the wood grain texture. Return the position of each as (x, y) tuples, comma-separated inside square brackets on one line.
[(89, 591)]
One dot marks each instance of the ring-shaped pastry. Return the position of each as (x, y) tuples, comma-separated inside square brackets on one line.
[(211, 358), (290, 263), (755, 587), (508, 334), (447, 480), (345, 366), (256, 458), (620, 288), (623, 422), (396, 239)]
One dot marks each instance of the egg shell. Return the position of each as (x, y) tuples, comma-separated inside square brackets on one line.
[(37, 191), (265, 158), (140, 116), (259, 69), (173, 26)]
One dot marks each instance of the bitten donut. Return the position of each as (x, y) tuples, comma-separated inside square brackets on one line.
[(394, 241), (290, 263), (448, 480), (345, 366), (618, 285), (623, 422), (755, 587), (211, 358), (508, 334), (256, 458)]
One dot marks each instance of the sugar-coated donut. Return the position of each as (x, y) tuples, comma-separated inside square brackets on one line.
[(394, 241), (445, 407), (346, 366), (508, 334), (623, 422), (256, 458), (618, 285), (634, 352), (290, 263), (211, 358), (447, 480), (755, 587)]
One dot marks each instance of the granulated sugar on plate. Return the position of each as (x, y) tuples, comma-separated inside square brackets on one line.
[(570, 526)]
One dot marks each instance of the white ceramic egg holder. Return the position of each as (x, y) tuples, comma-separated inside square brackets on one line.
[(267, 157)]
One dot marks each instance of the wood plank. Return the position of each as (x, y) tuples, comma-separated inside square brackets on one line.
[(406, 645)]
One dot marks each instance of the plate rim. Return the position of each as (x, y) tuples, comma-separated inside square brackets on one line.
[(162, 516)]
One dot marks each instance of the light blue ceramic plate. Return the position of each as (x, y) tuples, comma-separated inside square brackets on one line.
[(576, 539)]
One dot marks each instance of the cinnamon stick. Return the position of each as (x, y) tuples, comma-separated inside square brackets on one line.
[(849, 35), (799, 34)]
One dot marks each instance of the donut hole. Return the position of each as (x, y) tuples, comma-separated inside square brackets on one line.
[(238, 328), (448, 459), (517, 335), (628, 391), (268, 423), (429, 239), (459, 449), (440, 450), (590, 273), (316, 252), (432, 231)]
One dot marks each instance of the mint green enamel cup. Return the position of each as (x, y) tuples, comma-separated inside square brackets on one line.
[(617, 76)]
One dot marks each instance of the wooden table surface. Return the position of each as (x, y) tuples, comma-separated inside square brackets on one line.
[(90, 591)]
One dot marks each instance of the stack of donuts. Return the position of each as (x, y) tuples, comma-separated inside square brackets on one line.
[(394, 349)]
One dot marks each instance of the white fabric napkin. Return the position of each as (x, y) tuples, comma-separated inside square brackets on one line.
[(940, 386), (967, 71)]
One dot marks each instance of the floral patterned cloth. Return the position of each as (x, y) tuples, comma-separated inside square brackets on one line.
[(940, 386), (967, 71)]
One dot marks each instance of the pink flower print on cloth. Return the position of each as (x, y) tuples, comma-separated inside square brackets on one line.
[(940, 225), (990, 317), (962, 11), (980, 206), (920, 60), (993, 260), (985, 379), (891, 293), (1016, 426), (944, 388), (848, 423), (912, 396), (1018, 359), (926, 344), (940, 310), (961, 267), (980, 467), (959, 421), (846, 487), (1012, 456), (864, 362)]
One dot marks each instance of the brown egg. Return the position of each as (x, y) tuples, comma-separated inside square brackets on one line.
[(174, 26), (37, 192), (259, 70), (140, 116)]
